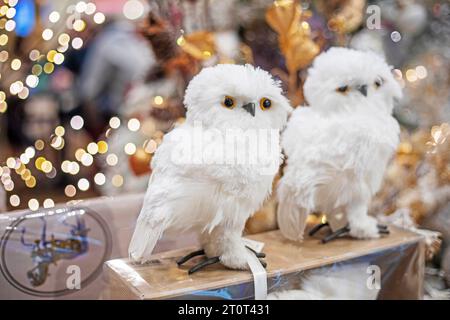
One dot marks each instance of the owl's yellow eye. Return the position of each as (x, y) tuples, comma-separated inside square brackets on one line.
[(228, 102), (342, 89), (265, 103)]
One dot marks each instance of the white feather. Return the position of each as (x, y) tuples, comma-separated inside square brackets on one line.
[(291, 217), (340, 282), (337, 149), (208, 194)]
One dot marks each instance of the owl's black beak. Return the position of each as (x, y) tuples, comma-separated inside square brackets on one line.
[(363, 90), (250, 108)]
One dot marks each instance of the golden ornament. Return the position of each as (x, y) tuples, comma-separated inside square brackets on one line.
[(299, 52), (294, 35), (288, 20), (344, 16), (283, 16), (140, 162), (199, 45)]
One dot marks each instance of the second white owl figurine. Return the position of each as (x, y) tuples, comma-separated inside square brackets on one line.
[(338, 148), (201, 179)]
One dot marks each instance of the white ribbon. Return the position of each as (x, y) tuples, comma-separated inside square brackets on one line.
[(258, 271)]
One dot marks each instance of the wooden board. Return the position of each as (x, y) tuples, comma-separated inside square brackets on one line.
[(161, 278)]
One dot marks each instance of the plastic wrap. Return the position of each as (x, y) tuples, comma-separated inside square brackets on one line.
[(391, 267), (60, 252)]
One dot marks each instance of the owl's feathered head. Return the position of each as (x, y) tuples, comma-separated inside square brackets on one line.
[(241, 96), (347, 79)]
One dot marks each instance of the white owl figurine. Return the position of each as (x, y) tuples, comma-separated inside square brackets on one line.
[(338, 148), (196, 182)]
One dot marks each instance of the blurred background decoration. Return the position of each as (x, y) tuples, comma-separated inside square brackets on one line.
[(89, 88)]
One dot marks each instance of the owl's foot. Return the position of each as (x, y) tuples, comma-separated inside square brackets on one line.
[(199, 265), (236, 257), (237, 262), (383, 229), (366, 228), (365, 234)]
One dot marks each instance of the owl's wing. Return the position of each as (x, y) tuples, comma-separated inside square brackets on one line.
[(292, 210), (291, 217), (157, 211), (150, 226)]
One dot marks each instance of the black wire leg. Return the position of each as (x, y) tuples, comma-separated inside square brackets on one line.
[(336, 234), (383, 229), (190, 256), (259, 255), (213, 260), (317, 227), (203, 264)]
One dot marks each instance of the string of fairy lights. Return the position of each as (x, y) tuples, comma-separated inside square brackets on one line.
[(43, 60), (83, 157), (56, 43)]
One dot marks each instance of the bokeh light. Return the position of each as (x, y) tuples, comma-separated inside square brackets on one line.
[(133, 9)]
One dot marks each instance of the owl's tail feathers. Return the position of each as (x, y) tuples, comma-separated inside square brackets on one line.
[(291, 217), (144, 240)]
